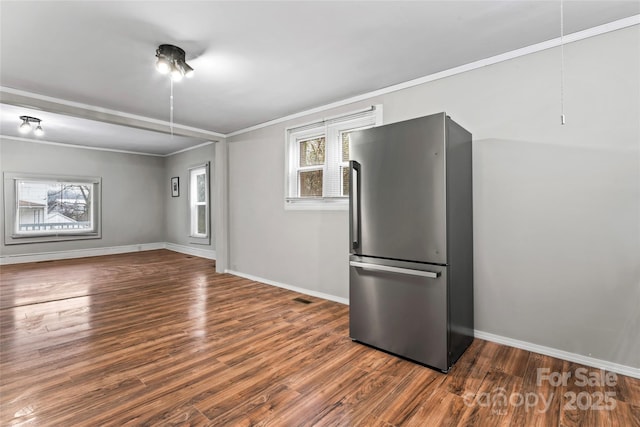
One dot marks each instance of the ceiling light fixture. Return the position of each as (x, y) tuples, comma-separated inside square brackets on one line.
[(171, 60), (25, 126)]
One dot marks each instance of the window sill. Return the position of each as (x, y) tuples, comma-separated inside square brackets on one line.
[(319, 204), (44, 238), (196, 240)]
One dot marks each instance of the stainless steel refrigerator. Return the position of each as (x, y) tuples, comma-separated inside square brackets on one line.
[(411, 238)]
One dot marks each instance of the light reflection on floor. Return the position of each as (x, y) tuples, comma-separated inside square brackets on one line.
[(198, 307)]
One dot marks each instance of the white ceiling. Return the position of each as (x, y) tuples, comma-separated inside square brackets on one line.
[(254, 61), (92, 133)]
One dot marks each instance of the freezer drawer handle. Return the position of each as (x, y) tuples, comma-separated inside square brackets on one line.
[(376, 267)]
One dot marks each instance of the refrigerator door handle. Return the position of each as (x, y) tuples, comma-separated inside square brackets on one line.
[(388, 268), (354, 203)]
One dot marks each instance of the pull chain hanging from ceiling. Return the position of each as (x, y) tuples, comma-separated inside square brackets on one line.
[(170, 60), (562, 116), (171, 109)]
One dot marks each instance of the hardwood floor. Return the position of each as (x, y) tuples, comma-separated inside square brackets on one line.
[(158, 338)]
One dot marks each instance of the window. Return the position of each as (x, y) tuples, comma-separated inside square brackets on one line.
[(317, 170), (311, 166), (199, 201), (44, 208)]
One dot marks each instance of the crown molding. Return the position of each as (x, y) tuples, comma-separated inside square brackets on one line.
[(91, 112), (538, 47)]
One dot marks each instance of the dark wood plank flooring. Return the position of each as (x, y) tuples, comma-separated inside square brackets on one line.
[(159, 338)]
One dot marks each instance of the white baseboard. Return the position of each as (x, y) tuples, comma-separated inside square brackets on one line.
[(78, 253), (561, 354), (112, 250), (524, 345), (190, 250), (290, 287)]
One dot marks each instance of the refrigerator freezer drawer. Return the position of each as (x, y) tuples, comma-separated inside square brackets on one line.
[(402, 311)]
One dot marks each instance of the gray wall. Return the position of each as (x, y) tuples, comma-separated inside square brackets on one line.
[(137, 206), (133, 192), (307, 249), (557, 208), (177, 208)]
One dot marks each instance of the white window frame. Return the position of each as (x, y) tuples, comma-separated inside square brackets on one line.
[(332, 129), (194, 235), (13, 235), (303, 135)]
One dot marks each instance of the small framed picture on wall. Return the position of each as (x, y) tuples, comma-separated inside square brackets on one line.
[(175, 186)]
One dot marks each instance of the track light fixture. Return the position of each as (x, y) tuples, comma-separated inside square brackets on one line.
[(171, 61), (25, 126)]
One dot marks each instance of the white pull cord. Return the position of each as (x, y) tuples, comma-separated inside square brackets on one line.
[(171, 108), (562, 116)]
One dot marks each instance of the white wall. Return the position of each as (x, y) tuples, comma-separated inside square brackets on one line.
[(133, 192), (556, 208)]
